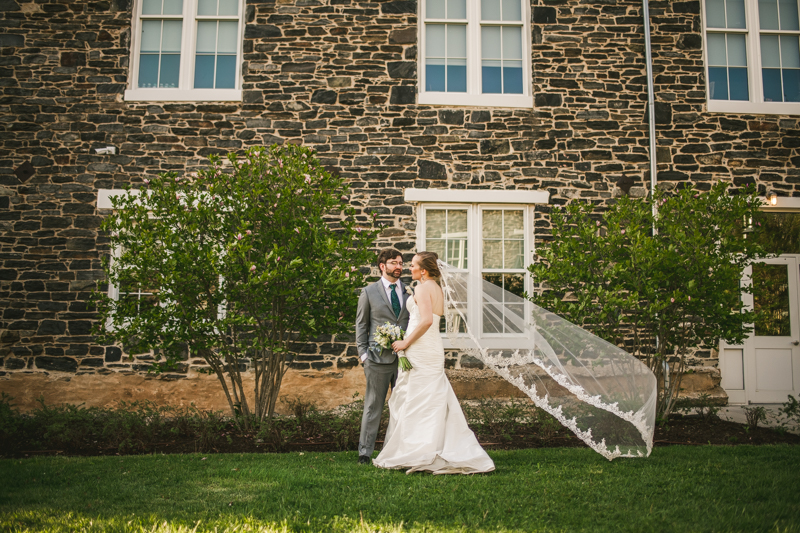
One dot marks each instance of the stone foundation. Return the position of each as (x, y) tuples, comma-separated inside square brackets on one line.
[(326, 389)]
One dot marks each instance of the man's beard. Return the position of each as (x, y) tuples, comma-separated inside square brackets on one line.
[(396, 273)]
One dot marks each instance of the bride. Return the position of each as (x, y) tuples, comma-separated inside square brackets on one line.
[(427, 429)]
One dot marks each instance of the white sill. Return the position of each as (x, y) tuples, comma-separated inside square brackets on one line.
[(183, 95), (476, 100), (755, 108)]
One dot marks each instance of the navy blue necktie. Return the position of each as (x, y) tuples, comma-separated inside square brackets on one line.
[(395, 300)]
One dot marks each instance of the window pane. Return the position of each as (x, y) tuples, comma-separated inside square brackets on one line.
[(436, 246), (514, 254), (515, 284), (512, 10), (457, 253), (171, 40), (735, 14), (456, 41), (771, 78), (228, 30), (768, 14), (170, 68), (771, 300), (206, 36), (228, 7), (715, 12), (512, 225), (492, 318), (716, 50), (790, 51), (456, 9), (789, 20), (456, 224), (173, 7), (718, 83), (791, 85), (512, 77), (515, 321), (491, 43), (512, 43), (148, 70), (435, 40), (435, 75), (738, 84), (490, 10), (204, 72), (457, 75), (493, 224), (737, 50), (435, 9), (226, 72), (435, 220), (206, 8), (491, 77), (493, 254), (151, 7), (770, 51), (151, 36)]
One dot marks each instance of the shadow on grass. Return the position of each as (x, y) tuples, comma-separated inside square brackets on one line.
[(677, 489)]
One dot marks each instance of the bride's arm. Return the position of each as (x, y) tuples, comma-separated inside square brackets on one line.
[(423, 298)]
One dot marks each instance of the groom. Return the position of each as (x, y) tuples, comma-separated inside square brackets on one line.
[(383, 301)]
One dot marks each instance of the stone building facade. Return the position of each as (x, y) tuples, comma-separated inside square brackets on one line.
[(343, 77)]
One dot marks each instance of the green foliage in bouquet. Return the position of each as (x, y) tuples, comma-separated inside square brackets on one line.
[(656, 294), (240, 263)]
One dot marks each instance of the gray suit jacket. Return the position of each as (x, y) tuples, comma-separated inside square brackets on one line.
[(375, 309)]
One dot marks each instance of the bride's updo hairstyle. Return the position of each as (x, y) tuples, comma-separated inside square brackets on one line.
[(427, 261)]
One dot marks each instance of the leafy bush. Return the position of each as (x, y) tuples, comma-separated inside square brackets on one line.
[(242, 262), (658, 277), (755, 415)]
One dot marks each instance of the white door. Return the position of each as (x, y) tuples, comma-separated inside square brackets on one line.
[(772, 354)]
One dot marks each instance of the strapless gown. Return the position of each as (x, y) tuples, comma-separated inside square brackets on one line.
[(427, 428)]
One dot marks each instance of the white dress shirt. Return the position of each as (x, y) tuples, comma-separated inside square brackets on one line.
[(387, 286)]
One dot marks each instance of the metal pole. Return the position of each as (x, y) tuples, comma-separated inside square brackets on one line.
[(651, 107)]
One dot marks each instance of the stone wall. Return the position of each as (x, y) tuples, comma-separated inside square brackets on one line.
[(339, 76)]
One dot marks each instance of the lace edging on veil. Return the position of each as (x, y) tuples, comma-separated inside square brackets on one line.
[(604, 395)]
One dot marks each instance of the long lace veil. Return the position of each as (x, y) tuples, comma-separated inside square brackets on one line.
[(604, 395)]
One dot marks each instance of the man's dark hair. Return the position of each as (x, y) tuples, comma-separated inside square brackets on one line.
[(387, 254)]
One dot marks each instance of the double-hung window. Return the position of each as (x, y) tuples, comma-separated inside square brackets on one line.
[(753, 55), (487, 235), (186, 50), (475, 53)]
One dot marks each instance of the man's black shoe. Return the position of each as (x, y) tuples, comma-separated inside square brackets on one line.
[(363, 460)]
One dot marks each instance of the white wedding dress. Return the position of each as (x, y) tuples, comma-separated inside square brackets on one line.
[(427, 429)]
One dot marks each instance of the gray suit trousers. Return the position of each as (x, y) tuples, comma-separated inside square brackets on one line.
[(379, 378)]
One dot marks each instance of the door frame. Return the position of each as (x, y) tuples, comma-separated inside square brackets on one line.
[(737, 363)]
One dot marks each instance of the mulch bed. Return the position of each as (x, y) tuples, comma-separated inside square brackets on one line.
[(682, 430)]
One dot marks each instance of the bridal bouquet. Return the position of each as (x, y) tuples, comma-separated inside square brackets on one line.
[(386, 334)]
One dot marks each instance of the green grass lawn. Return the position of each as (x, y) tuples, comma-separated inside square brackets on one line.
[(686, 488)]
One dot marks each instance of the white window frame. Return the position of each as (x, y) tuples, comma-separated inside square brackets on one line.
[(756, 104), (104, 203), (474, 96), (184, 92), (475, 202)]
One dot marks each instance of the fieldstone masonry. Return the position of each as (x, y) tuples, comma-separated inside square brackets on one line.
[(339, 76)]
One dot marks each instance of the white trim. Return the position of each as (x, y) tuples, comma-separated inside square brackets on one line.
[(477, 196), (476, 100), (756, 105), (474, 97), (183, 95), (104, 196), (755, 108), (785, 203)]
